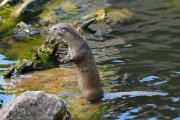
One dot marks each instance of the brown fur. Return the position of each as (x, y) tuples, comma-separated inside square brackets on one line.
[(80, 53)]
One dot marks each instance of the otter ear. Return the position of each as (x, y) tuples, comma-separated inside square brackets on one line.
[(63, 29)]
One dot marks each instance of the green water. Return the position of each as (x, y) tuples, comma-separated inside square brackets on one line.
[(149, 61)]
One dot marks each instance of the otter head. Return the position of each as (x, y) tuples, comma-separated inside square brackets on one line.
[(59, 29), (66, 32)]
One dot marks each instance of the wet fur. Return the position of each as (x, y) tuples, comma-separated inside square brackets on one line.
[(80, 53)]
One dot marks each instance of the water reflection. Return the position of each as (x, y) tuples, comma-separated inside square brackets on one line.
[(127, 114), (3, 60), (115, 95), (153, 53), (160, 82), (5, 97), (149, 78), (118, 61), (128, 46)]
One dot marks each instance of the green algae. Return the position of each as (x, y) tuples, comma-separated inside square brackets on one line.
[(25, 50), (89, 112), (7, 25), (121, 15), (173, 3)]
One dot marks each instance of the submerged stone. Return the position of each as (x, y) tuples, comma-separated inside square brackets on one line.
[(35, 105), (119, 15), (19, 67)]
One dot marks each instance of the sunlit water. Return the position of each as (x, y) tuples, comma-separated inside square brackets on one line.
[(148, 62)]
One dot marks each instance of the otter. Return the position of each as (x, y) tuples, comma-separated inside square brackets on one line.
[(79, 52)]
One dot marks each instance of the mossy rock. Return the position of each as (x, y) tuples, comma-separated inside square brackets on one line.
[(119, 15), (68, 6)]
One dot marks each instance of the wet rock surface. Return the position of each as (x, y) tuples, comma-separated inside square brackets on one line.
[(35, 105), (46, 56), (22, 30), (20, 67)]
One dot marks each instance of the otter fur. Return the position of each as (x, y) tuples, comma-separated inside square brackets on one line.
[(79, 52)]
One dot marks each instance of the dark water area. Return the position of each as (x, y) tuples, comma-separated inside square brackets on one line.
[(149, 62)]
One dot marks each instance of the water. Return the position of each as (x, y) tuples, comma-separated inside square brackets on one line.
[(149, 61), (152, 61), (5, 97)]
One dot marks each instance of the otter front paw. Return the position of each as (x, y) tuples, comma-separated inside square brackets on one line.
[(65, 60)]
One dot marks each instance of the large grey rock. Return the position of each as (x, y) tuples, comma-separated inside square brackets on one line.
[(35, 105)]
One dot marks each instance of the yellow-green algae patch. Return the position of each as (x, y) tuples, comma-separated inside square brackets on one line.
[(80, 111), (174, 3), (61, 81), (117, 15), (7, 22), (51, 81)]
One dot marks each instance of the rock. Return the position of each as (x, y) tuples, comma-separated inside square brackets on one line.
[(46, 56), (93, 17), (21, 66), (121, 15), (22, 30), (35, 105)]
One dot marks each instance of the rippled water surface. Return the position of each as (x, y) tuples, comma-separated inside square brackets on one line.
[(149, 61)]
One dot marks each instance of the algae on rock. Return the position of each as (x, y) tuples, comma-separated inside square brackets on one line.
[(48, 54), (44, 57)]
